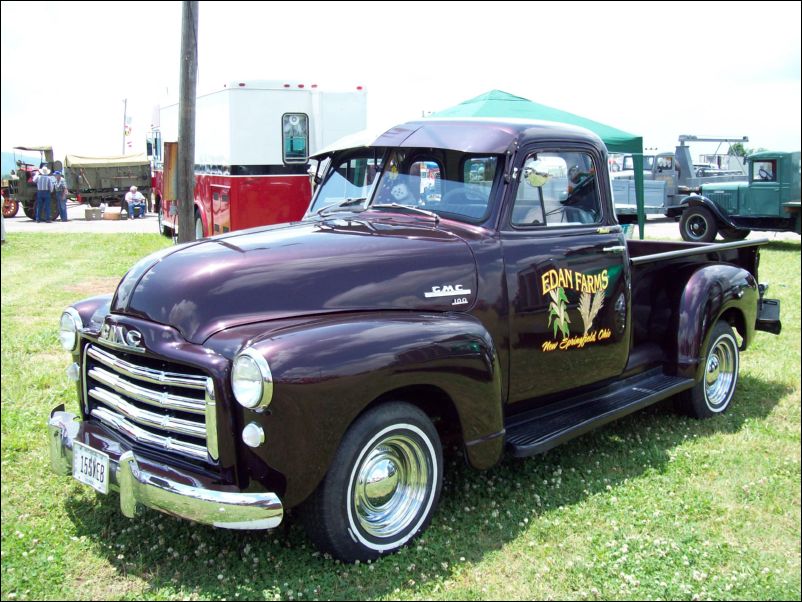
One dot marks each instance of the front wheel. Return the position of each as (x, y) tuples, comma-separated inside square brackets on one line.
[(698, 225), (714, 392), (10, 207), (382, 487)]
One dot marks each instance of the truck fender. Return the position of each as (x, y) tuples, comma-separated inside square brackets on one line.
[(94, 310), (696, 200), (326, 373), (711, 293)]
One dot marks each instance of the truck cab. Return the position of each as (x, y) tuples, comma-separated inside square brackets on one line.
[(769, 200)]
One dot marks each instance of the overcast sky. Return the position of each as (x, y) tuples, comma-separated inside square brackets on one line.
[(658, 69)]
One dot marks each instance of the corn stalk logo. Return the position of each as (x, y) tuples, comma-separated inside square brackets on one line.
[(558, 312), (590, 309)]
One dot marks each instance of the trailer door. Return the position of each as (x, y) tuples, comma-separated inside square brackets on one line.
[(221, 213)]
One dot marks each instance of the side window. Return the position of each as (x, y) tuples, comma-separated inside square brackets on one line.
[(665, 163), (295, 137), (557, 189), (764, 171)]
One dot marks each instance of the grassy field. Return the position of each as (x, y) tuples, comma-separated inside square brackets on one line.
[(656, 506)]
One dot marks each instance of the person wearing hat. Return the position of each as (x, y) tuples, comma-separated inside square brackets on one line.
[(44, 186), (60, 188), (136, 203)]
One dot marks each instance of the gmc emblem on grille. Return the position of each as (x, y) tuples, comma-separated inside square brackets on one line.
[(120, 336)]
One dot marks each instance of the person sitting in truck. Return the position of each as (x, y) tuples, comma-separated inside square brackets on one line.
[(136, 203)]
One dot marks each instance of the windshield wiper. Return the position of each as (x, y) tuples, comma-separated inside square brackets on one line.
[(341, 205), (396, 206)]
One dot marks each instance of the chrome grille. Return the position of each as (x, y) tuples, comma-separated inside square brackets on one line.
[(157, 404)]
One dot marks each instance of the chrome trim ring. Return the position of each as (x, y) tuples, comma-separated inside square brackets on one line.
[(77, 323), (392, 485), (721, 372), (267, 378)]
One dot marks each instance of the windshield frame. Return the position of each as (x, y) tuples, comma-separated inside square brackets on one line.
[(378, 154)]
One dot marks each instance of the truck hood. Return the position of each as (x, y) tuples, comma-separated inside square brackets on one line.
[(333, 265), (723, 187)]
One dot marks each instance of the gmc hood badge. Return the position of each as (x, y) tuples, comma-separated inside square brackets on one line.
[(119, 336), (447, 291)]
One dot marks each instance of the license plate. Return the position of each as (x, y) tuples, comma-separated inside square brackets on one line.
[(90, 467)]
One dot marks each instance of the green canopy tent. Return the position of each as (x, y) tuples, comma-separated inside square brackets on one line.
[(501, 104)]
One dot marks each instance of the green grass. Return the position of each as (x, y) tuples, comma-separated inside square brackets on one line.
[(656, 506)]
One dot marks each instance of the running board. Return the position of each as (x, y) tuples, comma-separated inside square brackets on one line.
[(539, 430)]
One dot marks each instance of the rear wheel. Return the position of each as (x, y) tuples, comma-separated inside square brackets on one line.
[(382, 487), (698, 225), (198, 226), (714, 392), (733, 234), (164, 230)]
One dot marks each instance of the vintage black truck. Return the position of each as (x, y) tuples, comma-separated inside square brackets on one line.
[(320, 365)]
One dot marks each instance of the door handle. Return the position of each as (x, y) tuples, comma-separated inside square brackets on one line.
[(614, 249)]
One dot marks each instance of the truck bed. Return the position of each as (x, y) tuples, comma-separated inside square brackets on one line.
[(659, 268)]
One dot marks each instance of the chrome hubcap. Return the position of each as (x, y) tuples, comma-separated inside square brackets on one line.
[(720, 373), (391, 485), (697, 226)]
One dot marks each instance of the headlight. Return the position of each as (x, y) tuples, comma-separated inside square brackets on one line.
[(69, 327), (251, 380)]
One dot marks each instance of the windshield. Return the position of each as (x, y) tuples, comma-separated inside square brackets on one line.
[(449, 183)]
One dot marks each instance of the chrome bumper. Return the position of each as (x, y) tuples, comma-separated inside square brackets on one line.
[(137, 485)]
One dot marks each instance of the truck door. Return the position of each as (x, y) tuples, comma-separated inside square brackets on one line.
[(665, 170), (567, 280), (764, 189)]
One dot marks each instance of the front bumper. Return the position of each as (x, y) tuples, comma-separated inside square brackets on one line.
[(159, 487)]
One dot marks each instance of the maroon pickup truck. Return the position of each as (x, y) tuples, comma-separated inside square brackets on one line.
[(461, 281)]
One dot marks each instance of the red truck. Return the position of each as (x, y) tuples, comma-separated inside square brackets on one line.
[(320, 365)]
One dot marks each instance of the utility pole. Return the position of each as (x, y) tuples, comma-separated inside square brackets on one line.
[(186, 121), (125, 121)]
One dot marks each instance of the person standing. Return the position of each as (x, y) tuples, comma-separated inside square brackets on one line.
[(60, 188), (44, 186)]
